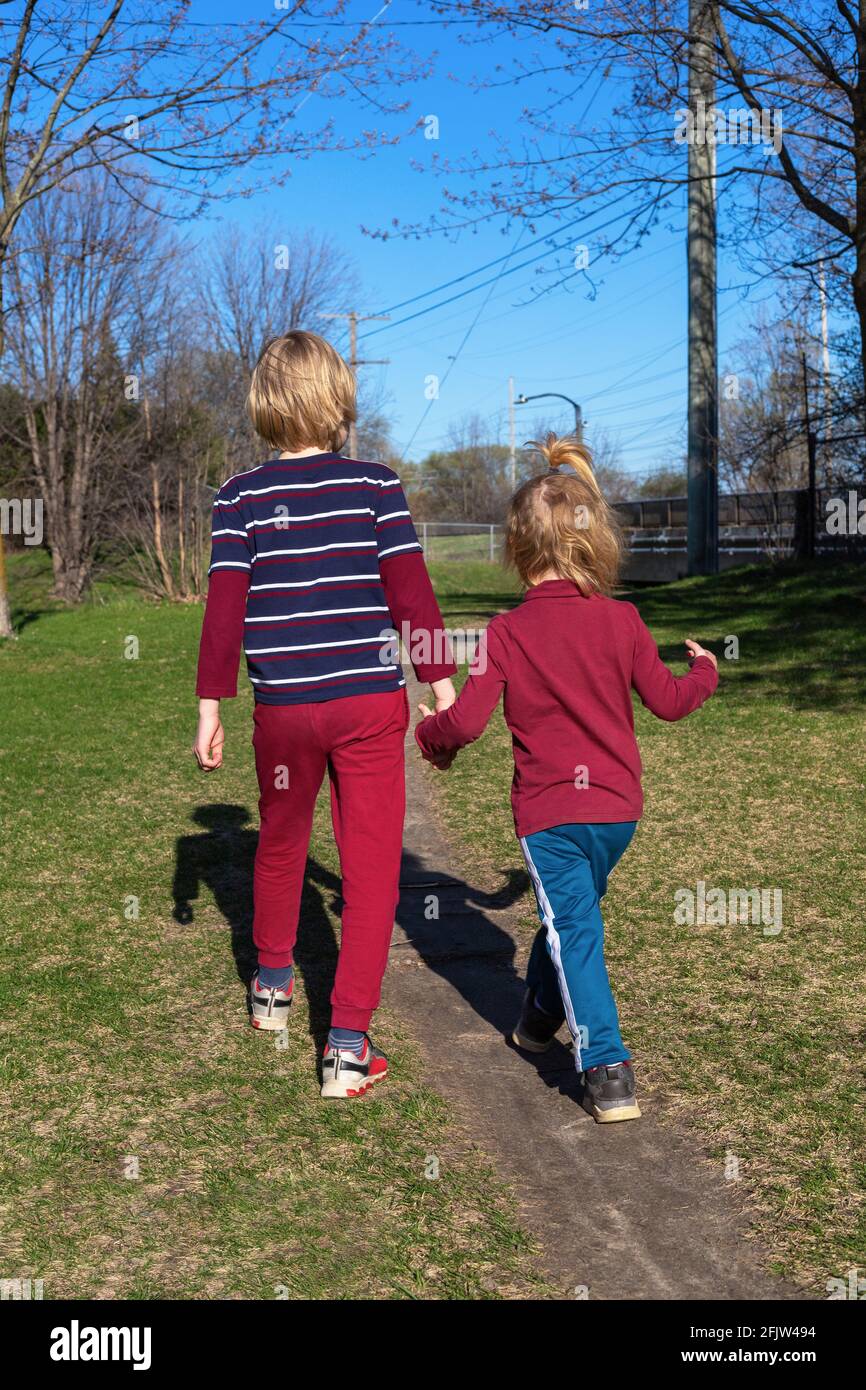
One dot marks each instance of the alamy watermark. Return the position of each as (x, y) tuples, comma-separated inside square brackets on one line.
[(721, 907), (21, 1290), (710, 125), (846, 516), (424, 647), (22, 516)]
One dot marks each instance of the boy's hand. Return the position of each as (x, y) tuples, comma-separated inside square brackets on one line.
[(444, 694), (209, 739), (695, 650)]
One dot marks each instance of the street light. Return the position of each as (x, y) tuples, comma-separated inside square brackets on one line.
[(556, 395)]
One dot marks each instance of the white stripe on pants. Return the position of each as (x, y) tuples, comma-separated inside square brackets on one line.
[(555, 954)]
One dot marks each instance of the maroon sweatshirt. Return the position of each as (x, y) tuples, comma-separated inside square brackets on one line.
[(567, 665)]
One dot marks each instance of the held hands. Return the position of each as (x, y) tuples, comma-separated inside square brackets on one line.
[(209, 739), (695, 650), (444, 696)]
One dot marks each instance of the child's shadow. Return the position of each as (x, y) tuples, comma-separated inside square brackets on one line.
[(222, 858), (466, 946)]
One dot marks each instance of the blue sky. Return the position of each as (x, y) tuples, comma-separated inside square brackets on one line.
[(621, 352)]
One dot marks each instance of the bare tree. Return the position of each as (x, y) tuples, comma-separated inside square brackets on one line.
[(762, 439), (168, 105), (268, 280), (253, 285), (469, 481), (601, 158), (73, 276)]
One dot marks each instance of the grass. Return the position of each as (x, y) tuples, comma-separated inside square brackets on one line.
[(468, 549), (754, 1041), (124, 1043), (154, 1145)]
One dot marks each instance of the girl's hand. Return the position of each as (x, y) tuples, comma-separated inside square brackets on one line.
[(695, 650), (209, 739), (444, 761)]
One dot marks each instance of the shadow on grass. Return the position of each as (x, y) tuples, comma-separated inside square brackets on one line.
[(23, 617), (222, 859), (478, 605), (483, 972), (801, 631), (475, 955)]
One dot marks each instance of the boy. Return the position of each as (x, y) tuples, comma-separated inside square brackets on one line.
[(314, 557)]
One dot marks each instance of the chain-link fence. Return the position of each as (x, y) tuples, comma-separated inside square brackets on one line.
[(460, 540)]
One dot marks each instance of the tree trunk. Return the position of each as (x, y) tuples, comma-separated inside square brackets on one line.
[(6, 628), (858, 278), (181, 537), (858, 285), (159, 548)]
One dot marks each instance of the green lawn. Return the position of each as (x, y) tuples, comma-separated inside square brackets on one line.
[(755, 1041), (154, 1145), (125, 1044)]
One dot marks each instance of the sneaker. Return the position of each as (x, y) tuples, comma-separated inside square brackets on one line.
[(609, 1092), (269, 1008), (535, 1029), (345, 1075)]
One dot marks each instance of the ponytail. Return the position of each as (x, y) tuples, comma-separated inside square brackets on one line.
[(567, 451)]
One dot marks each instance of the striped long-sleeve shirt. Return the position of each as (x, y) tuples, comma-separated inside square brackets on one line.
[(314, 562)]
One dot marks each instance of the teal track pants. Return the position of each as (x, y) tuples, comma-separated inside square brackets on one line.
[(569, 867)]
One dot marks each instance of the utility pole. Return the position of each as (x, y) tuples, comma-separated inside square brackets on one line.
[(703, 429), (810, 447), (826, 398), (354, 361), (512, 442)]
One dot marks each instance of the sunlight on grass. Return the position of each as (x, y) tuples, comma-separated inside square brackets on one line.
[(154, 1145), (755, 1041)]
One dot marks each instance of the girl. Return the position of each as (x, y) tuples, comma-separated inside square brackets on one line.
[(567, 659)]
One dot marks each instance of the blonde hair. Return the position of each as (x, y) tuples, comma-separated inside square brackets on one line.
[(301, 394), (560, 521)]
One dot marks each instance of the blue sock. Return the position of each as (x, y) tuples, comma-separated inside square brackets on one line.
[(346, 1040), (275, 977)]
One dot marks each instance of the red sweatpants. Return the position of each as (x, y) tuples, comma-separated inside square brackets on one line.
[(360, 740)]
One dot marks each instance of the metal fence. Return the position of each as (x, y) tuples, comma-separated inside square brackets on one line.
[(752, 526), (460, 540)]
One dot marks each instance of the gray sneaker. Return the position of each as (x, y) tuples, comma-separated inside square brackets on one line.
[(609, 1092)]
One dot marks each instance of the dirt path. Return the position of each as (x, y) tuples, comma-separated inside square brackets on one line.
[(626, 1211)]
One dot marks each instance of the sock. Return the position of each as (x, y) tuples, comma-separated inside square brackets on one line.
[(346, 1040), (275, 976)]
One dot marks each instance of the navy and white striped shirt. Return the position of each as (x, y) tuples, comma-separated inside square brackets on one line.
[(311, 534)]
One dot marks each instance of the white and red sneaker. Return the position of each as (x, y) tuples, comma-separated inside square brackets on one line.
[(345, 1075), (269, 1008)]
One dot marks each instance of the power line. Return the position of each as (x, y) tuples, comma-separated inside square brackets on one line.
[(494, 280), (456, 355)]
